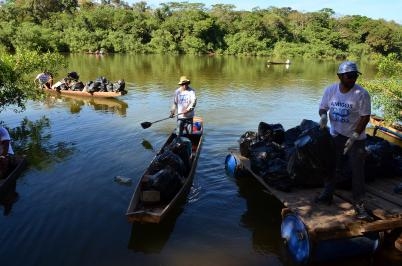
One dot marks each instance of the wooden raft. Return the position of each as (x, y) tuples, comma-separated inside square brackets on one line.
[(337, 220)]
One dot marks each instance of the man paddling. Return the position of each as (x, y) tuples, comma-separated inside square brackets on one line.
[(184, 102)]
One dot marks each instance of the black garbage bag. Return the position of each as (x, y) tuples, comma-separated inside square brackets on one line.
[(93, 86), (182, 147), (380, 160), (307, 124), (261, 153), (291, 136), (167, 181), (271, 132), (167, 158), (397, 160), (78, 86), (109, 87), (120, 85), (314, 156), (246, 140), (277, 168), (73, 76)]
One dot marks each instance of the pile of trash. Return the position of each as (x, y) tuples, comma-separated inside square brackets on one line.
[(167, 172), (304, 155), (100, 84), (103, 85)]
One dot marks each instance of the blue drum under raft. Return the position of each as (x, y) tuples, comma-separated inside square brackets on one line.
[(304, 249), (231, 165), (234, 167)]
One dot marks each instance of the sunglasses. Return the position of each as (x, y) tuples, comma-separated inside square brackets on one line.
[(351, 75)]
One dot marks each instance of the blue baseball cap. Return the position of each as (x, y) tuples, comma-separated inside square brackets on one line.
[(347, 66)]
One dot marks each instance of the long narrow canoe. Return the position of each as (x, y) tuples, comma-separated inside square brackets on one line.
[(287, 62), (97, 94), (17, 167), (391, 130), (145, 205)]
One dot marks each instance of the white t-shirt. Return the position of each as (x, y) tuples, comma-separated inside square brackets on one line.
[(345, 109), (184, 99), (43, 78), (5, 136)]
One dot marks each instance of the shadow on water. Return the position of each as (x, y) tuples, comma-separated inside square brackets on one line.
[(75, 103), (262, 216), (151, 238), (147, 145)]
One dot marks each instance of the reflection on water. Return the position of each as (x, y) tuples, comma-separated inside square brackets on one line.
[(34, 140), (151, 238), (9, 197), (262, 214), (76, 103), (147, 145)]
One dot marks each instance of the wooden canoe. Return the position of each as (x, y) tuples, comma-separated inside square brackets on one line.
[(18, 166), (97, 94), (394, 130), (287, 62), (144, 212)]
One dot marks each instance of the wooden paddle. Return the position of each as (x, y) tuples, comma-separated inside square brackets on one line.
[(148, 124)]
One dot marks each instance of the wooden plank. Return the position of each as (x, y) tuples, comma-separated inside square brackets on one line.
[(382, 208), (386, 183)]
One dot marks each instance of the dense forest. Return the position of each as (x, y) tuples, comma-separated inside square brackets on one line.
[(191, 28), (34, 33)]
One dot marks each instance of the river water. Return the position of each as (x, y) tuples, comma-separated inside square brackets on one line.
[(68, 210)]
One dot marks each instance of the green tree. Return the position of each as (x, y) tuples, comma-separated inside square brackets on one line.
[(17, 74), (386, 88)]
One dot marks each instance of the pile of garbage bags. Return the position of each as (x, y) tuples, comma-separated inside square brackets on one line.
[(168, 170), (304, 155)]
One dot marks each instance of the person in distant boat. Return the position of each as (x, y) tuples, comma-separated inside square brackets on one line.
[(44, 80), (349, 108), (6, 151), (184, 102)]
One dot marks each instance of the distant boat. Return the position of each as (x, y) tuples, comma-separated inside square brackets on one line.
[(96, 94), (287, 62)]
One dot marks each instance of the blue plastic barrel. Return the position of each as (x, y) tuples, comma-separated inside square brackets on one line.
[(299, 244), (231, 165), (296, 237)]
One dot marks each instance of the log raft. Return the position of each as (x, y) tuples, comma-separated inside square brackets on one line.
[(333, 224)]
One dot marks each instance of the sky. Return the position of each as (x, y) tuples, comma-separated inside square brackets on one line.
[(375, 9)]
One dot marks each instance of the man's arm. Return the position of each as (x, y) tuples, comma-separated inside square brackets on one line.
[(361, 125)]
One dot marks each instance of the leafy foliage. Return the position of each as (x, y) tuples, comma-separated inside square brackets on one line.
[(386, 89), (16, 71), (182, 27)]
